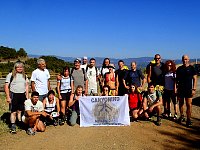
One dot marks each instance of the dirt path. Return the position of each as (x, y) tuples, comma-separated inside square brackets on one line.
[(140, 135)]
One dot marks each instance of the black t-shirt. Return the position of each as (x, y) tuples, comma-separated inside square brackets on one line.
[(184, 77), (157, 74), (120, 74)]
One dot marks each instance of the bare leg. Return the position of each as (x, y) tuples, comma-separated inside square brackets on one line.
[(189, 107)]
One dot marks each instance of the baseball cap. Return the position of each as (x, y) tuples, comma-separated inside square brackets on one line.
[(77, 60), (84, 57)]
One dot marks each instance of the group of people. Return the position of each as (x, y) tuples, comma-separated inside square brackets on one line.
[(165, 83)]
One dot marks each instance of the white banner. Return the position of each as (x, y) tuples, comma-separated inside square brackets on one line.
[(104, 111)]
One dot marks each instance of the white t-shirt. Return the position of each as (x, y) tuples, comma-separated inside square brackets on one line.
[(92, 79), (84, 66), (38, 107), (41, 78)]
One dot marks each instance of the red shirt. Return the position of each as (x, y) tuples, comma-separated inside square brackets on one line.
[(134, 101)]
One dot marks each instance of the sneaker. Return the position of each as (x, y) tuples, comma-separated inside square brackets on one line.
[(55, 123), (30, 132), (61, 122), (188, 123), (13, 129), (170, 115), (181, 119), (175, 117), (158, 122)]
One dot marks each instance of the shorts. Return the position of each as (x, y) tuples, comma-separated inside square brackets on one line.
[(185, 93), (65, 96), (42, 97), (169, 95), (17, 102)]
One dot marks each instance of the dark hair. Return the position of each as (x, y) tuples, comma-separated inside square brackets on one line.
[(92, 59), (120, 61), (104, 62), (107, 86), (51, 92), (136, 91), (34, 93), (65, 68), (157, 55), (151, 84)]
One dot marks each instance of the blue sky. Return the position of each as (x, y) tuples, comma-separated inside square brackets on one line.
[(104, 28)]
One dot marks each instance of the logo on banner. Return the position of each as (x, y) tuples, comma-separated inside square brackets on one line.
[(105, 112)]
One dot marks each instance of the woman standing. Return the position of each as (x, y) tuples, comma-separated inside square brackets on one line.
[(65, 86), (17, 90), (170, 88)]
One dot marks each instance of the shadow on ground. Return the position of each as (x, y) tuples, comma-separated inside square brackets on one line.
[(196, 101), (188, 139)]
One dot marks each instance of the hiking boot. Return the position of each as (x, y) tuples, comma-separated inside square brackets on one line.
[(188, 123), (61, 122), (13, 129), (181, 119), (158, 122), (30, 131)]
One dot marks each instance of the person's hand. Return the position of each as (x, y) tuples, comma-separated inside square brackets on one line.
[(151, 109), (127, 87), (59, 77), (8, 99), (45, 114), (60, 97), (193, 92)]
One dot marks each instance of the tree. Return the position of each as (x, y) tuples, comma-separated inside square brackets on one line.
[(21, 53)]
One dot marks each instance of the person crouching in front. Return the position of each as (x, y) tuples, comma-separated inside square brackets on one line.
[(34, 112)]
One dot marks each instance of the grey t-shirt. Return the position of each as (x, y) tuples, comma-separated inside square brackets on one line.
[(18, 84), (79, 78)]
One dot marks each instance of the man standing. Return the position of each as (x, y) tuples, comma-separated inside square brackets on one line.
[(79, 76), (40, 79), (186, 88), (134, 76), (85, 61), (92, 74), (155, 71), (120, 73)]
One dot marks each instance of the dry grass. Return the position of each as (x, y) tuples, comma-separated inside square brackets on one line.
[(3, 109)]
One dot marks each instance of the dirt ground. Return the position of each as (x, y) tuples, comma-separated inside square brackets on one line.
[(140, 135)]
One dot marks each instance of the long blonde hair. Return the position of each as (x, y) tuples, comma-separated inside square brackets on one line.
[(17, 64)]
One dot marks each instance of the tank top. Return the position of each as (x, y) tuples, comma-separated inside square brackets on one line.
[(50, 107)]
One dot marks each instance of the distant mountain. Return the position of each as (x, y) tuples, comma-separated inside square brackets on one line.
[(141, 61)]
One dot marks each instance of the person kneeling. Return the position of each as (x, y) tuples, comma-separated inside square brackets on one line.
[(52, 107), (34, 114), (135, 104), (152, 102)]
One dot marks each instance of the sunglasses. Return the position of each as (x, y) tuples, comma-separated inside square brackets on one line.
[(156, 58)]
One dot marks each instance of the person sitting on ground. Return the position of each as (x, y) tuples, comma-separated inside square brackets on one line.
[(105, 90), (135, 101), (152, 102), (74, 104), (34, 114), (52, 107)]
